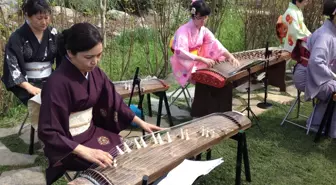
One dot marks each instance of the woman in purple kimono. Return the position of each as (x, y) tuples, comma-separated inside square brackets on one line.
[(321, 68), (30, 52), (81, 113)]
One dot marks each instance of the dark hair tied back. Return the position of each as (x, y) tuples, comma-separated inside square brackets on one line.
[(329, 8), (32, 7), (61, 41), (294, 1), (200, 7), (80, 37)]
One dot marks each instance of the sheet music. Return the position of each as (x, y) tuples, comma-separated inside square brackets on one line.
[(188, 171)]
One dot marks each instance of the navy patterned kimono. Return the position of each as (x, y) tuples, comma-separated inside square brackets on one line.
[(22, 52)]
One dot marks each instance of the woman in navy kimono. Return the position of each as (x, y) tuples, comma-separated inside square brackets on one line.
[(321, 71), (30, 52), (81, 113)]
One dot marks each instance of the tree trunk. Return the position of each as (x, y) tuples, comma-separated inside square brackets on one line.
[(103, 5)]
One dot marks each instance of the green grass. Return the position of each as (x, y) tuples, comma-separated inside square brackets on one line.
[(13, 117), (284, 155)]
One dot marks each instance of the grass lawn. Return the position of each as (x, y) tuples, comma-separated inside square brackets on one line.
[(284, 155)]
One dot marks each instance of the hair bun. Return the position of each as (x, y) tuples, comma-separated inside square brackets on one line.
[(61, 41)]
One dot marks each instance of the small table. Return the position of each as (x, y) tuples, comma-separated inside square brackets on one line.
[(154, 86)]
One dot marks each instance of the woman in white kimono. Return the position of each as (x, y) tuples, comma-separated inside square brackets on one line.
[(297, 33)]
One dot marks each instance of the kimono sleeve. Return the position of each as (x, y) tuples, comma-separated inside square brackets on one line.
[(209, 38), (181, 47), (53, 126), (110, 111), (295, 29), (124, 115), (318, 62), (58, 57), (12, 72), (212, 47)]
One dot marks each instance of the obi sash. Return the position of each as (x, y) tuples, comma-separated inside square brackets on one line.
[(38, 69), (193, 50), (300, 52), (79, 122)]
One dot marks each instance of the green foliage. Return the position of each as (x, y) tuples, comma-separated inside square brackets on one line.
[(231, 34), (138, 7), (145, 52), (83, 6), (137, 35)]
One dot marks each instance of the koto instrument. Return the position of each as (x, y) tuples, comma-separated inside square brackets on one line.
[(147, 85), (156, 154), (221, 73)]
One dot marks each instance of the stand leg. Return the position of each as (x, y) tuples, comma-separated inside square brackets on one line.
[(24, 121), (167, 108), (67, 176), (248, 108), (199, 157), (145, 180), (150, 113), (249, 93), (265, 104), (257, 121), (290, 110), (328, 123), (31, 145), (299, 104), (158, 121), (253, 115), (246, 159), (327, 115), (185, 97), (239, 159), (141, 97), (208, 154)]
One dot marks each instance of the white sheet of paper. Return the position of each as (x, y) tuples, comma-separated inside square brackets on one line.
[(188, 171)]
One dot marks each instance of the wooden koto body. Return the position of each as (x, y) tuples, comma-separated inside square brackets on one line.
[(225, 72), (149, 85), (157, 160)]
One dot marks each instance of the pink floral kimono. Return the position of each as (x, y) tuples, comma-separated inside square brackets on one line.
[(187, 44)]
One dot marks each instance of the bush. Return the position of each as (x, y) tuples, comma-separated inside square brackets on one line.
[(138, 7)]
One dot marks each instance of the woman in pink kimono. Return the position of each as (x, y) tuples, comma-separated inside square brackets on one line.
[(195, 46)]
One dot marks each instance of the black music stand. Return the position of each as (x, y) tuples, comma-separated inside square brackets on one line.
[(265, 104), (248, 108), (136, 82)]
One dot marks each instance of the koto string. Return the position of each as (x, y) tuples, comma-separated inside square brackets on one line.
[(174, 135), (143, 154), (114, 151)]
